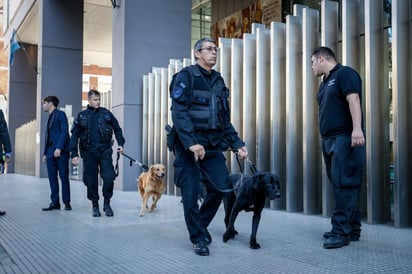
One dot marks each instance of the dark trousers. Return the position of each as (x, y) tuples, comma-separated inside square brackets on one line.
[(92, 163), (58, 167), (187, 177), (344, 166)]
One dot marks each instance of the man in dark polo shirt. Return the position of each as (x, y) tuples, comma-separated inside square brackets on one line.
[(341, 128)]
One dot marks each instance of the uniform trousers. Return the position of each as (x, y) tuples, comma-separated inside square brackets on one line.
[(93, 161), (187, 178), (344, 166)]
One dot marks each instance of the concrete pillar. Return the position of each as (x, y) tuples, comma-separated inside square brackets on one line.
[(402, 111), (22, 94), (60, 61), (135, 52), (312, 149), (377, 115), (329, 38), (293, 114), (278, 108)]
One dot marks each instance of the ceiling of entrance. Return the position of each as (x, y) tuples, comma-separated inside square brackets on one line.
[(97, 30)]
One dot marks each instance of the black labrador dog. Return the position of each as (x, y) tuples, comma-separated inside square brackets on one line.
[(249, 194)]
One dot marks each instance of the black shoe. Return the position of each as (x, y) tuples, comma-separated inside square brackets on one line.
[(2, 213), (201, 249), (51, 207), (352, 237), (335, 242), (67, 206), (108, 210), (96, 212)]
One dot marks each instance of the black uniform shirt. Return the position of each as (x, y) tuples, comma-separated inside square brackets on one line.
[(334, 113)]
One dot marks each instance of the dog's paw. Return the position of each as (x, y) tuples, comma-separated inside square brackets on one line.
[(229, 234), (141, 213), (254, 244)]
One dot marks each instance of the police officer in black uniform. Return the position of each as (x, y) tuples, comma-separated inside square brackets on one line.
[(94, 128), (5, 144), (343, 143), (201, 118)]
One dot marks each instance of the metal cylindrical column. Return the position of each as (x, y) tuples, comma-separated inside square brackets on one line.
[(312, 153), (329, 38), (145, 118), (402, 111), (278, 108), (225, 56), (156, 108), (377, 115), (350, 34), (164, 96), (236, 94), (150, 120), (293, 114), (262, 99), (249, 95)]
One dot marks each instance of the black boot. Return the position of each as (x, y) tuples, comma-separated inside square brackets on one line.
[(96, 212), (107, 209)]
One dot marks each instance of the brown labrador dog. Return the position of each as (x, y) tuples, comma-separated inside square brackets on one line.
[(151, 183), (249, 194)]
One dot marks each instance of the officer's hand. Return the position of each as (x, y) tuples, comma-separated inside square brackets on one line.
[(44, 158), (75, 161), (8, 157), (198, 151), (120, 149), (57, 153), (242, 152)]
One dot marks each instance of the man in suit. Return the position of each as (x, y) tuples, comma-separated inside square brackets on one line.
[(5, 143), (56, 153)]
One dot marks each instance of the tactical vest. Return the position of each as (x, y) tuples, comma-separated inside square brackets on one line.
[(104, 126), (209, 107)]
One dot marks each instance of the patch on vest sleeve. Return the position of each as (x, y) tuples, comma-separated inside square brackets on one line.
[(178, 91)]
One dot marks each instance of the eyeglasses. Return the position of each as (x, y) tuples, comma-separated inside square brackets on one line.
[(210, 49)]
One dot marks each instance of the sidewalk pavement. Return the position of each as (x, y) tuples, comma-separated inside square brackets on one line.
[(59, 241)]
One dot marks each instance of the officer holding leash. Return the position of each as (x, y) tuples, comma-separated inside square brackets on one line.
[(94, 128), (202, 130)]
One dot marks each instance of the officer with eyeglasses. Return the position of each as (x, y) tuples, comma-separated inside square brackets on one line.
[(201, 124)]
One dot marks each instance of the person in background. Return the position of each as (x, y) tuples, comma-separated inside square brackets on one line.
[(5, 143), (201, 118), (92, 132), (56, 153), (343, 143)]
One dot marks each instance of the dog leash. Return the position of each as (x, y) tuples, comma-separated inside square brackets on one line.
[(143, 166), (210, 180), (252, 166)]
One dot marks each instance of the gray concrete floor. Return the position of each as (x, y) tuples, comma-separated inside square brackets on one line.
[(33, 241)]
